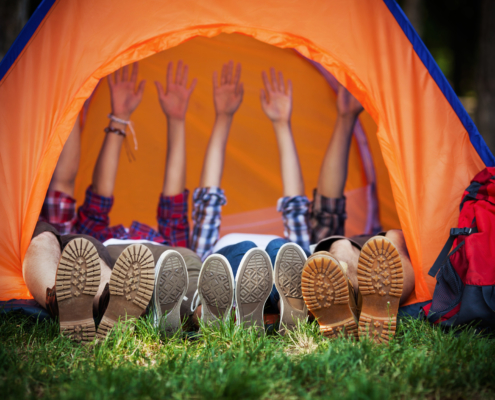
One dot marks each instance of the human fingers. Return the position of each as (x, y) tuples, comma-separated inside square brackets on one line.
[(240, 90), (237, 77), (193, 85), (230, 69), (289, 88), (125, 73), (135, 69), (281, 83), (116, 76), (263, 98), (274, 79), (223, 78), (140, 90), (178, 72), (159, 89), (110, 80), (266, 82), (170, 72)]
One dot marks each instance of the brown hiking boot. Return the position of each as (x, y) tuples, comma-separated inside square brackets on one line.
[(77, 281), (131, 286), (325, 290), (380, 280)]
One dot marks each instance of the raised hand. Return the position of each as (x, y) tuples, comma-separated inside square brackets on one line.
[(347, 105), (175, 99), (276, 98), (227, 95), (125, 97)]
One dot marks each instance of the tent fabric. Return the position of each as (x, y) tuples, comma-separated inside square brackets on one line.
[(426, 147)]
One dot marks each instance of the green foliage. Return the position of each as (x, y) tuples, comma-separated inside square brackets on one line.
[(228, 362)]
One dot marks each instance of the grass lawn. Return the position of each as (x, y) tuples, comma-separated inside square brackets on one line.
[(232, 363)]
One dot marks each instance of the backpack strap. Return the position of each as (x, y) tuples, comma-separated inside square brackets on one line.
[(454, 232)]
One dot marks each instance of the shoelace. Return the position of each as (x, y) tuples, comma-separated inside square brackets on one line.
[(127, 123), (195, 301)]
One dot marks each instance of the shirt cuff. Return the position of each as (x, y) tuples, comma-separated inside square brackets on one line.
[(213, 196), (170, 207), (293, 203), (100, 204)]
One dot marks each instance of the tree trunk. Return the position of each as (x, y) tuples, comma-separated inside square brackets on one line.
[(414, 12), (486, 75)]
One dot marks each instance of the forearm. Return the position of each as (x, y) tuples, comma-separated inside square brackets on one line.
[(65, 173), (174, 181), (105, 172), (211, 175), (333, 173), (289, 161)]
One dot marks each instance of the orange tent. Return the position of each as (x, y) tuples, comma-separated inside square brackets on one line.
[(424, 150)]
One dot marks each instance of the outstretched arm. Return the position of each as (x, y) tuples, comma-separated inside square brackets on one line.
[(276, 101), (227, 96), (125, 98), (333, 173), (64, 176), (174, 102)]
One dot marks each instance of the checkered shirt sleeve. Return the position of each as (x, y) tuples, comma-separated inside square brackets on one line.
[(172, 219), (59, 210), (326, 217), (93, 220), (295, 217), (206, 216)]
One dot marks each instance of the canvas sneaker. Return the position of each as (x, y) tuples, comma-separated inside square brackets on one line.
[(288, 269), (215, 289), (131, 287), (171, 283), (380, 278), (253, 284)]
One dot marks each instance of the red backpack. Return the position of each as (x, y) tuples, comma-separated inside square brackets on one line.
[(465, 289)]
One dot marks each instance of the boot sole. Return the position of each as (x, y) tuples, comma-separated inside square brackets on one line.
[(171, 282), (254, 281), (216, 288), (288, 269), (77, 282), (326, 294), (380, 278), (131, 287)]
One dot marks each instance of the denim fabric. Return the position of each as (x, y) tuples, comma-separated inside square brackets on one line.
[(235, 252)]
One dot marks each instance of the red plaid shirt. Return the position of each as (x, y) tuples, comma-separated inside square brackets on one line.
[(59, 210), (93, 220)]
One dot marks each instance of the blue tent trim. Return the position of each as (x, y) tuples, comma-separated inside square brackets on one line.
[(419, 47), (25, 36)]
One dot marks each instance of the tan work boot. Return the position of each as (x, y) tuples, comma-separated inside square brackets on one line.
[(77, 281), (329, 295), (380, 278)]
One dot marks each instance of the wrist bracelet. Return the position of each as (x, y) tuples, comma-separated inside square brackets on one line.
[(117, 131), (127, 123)]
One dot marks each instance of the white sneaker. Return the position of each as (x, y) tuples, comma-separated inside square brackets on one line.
[(288, 275), (216, 288), (171, 282), (254, 281)]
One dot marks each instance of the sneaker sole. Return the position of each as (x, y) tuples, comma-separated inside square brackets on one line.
[(380, 278), (216, 288), (77, 282), (131, 287), (171, 282), (254, 281), (288, 269), (326, 294)]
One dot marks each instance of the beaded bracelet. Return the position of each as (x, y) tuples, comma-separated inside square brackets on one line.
[(117, 131)]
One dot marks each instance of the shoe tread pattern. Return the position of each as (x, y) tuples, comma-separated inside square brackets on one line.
[(380, 330), (215, 285), (289, 273), (83, 332), (172, 282), (133, 275), (78, 270), (255, 280)]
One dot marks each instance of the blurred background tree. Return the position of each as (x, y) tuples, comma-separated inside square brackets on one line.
[(460, 35)]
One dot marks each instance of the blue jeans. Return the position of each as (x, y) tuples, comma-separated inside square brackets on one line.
[(234, 254)]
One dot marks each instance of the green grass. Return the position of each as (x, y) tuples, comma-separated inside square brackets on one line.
[(232, 363)]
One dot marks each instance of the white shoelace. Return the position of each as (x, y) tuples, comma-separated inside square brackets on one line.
[(127, 123), (195, 301)]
